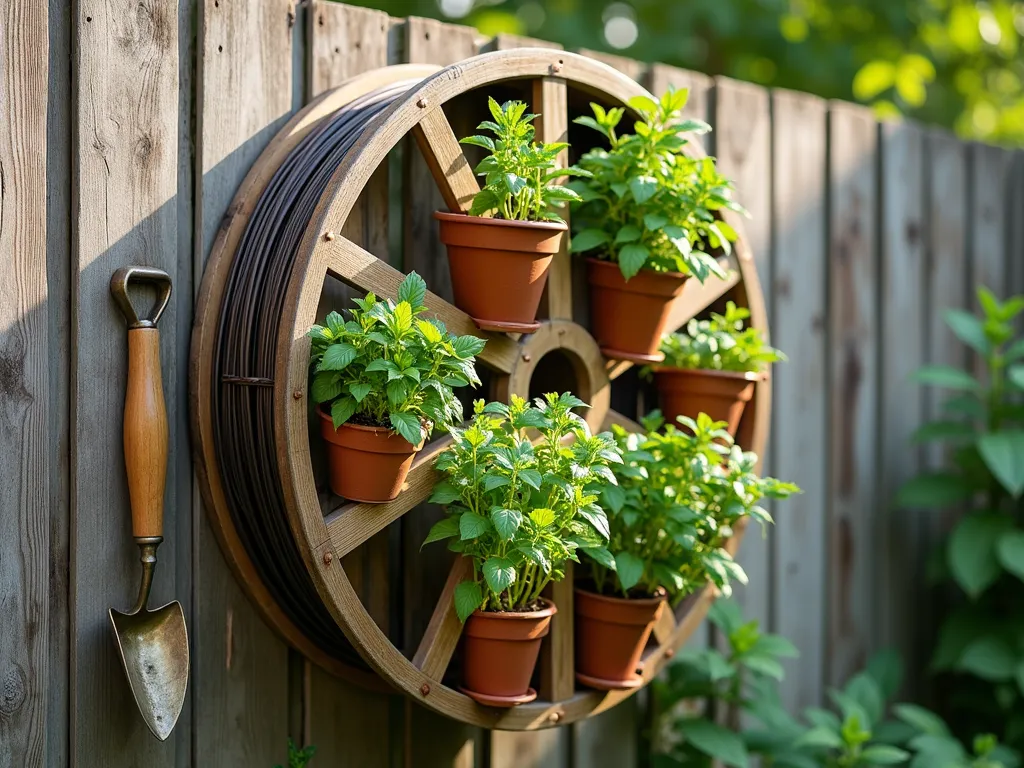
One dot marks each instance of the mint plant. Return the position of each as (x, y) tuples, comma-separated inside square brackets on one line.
[(519, 174), (979, 652), (720, 343), (678, 499), (647, 204), (385, 366), (521, 506)]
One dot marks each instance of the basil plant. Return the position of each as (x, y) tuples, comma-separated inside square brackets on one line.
[(720, 343), (521, 486)]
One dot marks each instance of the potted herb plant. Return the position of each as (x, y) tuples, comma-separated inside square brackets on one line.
[(382, 380), (518, 492), (713, 366), (648, 217), (500, 253), (678, 499)]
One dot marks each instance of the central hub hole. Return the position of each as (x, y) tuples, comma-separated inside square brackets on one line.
[(558, 371)]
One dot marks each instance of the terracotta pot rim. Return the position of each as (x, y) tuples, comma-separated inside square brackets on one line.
[(465, 218), (710, 372), (607, 263), (549, 609), (376, 431), (615, 600)]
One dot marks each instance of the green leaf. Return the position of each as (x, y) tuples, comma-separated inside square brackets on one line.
[(500, 574), (359, 390), (764, 665), (630, 233), (631, 258), (430, 332), (643, 188), (943, 430), (468, 597), (1003, 453), (1010, 550), (472, 525), (820, 736), (543, 517), (597, 518), (531, 477), (601, 556), (971, 551), (643, 104), (444, 493), (408, 426), (774, 645), (442, 529), (506, 522), (630, 569), (865, 690), (536, 554), (614, 496), (886, 668), (872, 79), (932, 491), (945, 376), (989, 658), (403, 317), (468, 346), (413, 290), (326, 387), (1016, 375), (922, 719), (342, 410), (337, 357), (588, 239), (654, 221), (969, 329), (883, 754), (715, 741)]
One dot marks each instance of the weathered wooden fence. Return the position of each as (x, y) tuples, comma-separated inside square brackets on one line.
[(127, 128)]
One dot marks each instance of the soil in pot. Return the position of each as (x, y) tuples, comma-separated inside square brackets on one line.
[(611, 634), (722, 395), (367, 464), (628, 318), (500, 652), (499, 267)]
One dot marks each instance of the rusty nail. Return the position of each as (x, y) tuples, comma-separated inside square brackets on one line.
[(557, 67), (329, 235), (328, 558), (297, 394), (526, 357), (425, 689), (422, 103), (669, 653)]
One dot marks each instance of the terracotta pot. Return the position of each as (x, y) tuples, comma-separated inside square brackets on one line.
[(500, 653), (722, 395), (611, 634), (499, 267), (628, 318), (367, 464)]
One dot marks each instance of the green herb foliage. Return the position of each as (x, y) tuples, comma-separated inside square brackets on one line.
[(299, 758), (980, 647), (519, 174), (647, 204), (860, 729), (521, 506), (678, 499), (720, 343), (389, 366)]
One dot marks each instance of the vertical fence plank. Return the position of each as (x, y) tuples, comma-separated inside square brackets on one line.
[(800, 407), (902, 273), (742, 142), (240, 667), (433, 741), (853, 364), (126, 144), (24, 390), (347, 724), (608, 739), (629, 67), (990, 176), (1015, 234)]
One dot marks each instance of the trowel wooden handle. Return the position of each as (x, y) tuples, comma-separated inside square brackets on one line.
[(145, 415), (145, 433)]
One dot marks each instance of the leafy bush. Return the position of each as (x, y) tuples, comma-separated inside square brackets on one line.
[(980, 647), (743, 681), (647, 204), (519, 507), (720, 343), (519, 173), (386, 367), (299, 758), (678, 498)]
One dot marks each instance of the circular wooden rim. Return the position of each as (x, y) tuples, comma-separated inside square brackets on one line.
[(419, 112)]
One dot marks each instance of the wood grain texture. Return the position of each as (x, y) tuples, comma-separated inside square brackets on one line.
[(990, 187), (244, 87), (443, 155), (126, 60), (800, 409), (344, 41), (1015, 232), (896, 554), (534, 749), (25, 425), (631, 68), (444, 630), (853, 363), (145, 433), (608, 739), (742, 144)]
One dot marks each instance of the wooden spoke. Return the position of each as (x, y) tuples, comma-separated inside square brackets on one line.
[(445, 629), (694, 299), (352, 524), (557, 670), (447, 163), (666, 625), (357, 266)]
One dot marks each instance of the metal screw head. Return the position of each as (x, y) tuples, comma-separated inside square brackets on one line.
[(556, 67), (329, 235), (669, 653), (422, 103), (328, 558), (554, 717), (526, 357), (425, 689), (297, 394)]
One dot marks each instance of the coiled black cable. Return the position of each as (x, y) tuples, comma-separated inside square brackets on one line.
[(243, 369)]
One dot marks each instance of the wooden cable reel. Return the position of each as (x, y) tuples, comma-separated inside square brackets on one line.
[(324, 539)]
